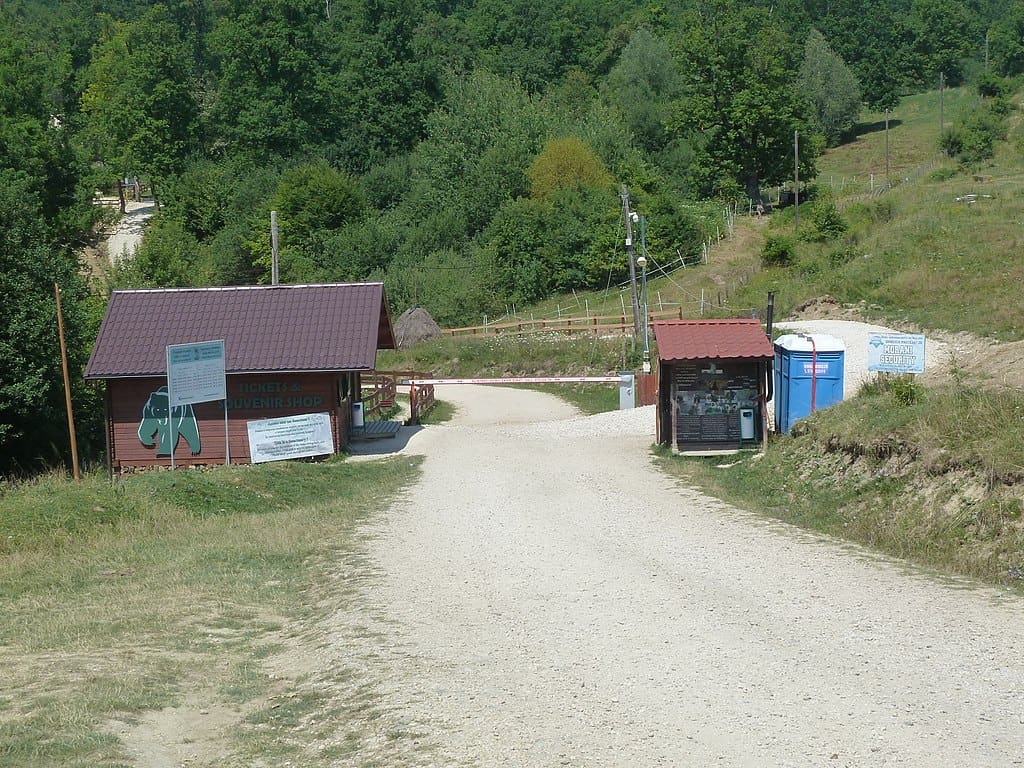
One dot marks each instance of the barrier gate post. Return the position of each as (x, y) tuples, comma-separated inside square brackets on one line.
[(627, 390)]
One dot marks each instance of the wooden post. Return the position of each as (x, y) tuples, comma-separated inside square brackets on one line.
[(67, 385), (274, 251), (796, 179)]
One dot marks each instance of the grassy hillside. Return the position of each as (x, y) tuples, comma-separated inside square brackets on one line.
[(913, 254)]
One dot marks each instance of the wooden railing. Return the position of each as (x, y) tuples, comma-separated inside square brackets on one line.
[(381, 387), (594, 324), (421, 400), (378, 393)]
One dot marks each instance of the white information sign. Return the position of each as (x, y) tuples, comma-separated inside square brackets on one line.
[(195, 372), (290, 437), (896, 352)]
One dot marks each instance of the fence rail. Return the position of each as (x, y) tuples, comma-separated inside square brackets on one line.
[(380, 388), (378, 393), (593, 324)]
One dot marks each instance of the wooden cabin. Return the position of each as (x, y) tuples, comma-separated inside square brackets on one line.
[(289, 350)]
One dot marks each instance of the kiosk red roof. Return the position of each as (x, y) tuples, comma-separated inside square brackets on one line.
[(335, 327), (711, 340)]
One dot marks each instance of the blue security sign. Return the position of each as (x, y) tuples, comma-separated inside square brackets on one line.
[(896, 352)]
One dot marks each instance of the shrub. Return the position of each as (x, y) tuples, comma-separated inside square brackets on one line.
[(951, 142), (827, 219), (778, 251), (906, 392), (941, 174), (973, 140), (844, 255), (991, 85)]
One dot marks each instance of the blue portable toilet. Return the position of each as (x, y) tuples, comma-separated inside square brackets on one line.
[(808, 376)]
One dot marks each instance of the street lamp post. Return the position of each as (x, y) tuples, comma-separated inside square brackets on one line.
[(642, 263)]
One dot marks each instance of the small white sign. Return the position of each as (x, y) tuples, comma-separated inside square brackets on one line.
[(195, 373), (817, 369), (290, 437), (896, 352)]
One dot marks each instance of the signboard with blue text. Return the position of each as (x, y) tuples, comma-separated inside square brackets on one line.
[(195, 372), (896, 352)]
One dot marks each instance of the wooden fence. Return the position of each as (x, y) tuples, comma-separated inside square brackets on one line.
[(594, 324), (381, 387), (646, 389)]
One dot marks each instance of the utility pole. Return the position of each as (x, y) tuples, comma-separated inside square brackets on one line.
[(642, 261), (67, 386), (942, 101), (796, 179), (631, 251), (887, 148), (273, 249)]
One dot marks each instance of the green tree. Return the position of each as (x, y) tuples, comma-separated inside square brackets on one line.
[(831, 87), (642, 85), (1006, 41), (169, 257), (33, 428), (565, 163), (34, 131), (872, 36), (944, 33), (139, 100), (381, 82), (272, 86), (473, 159), (313, 201), (742, 104)]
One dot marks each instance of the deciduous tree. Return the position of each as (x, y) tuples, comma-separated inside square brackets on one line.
[(831, 87), (741, 105)]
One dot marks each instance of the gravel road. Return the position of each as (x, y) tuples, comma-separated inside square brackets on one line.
[(544, 596)]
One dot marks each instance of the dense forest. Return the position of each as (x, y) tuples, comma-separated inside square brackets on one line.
[(469, 153)]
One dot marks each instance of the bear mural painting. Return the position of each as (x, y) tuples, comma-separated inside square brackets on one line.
[(157, 422)]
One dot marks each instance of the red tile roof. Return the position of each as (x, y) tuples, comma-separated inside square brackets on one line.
[(711, 340), (335, 327)]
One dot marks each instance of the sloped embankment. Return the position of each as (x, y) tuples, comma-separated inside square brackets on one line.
[(933, 477)]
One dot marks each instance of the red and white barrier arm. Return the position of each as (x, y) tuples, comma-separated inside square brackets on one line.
[(521, 380)]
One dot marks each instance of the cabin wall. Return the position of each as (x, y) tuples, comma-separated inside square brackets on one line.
[(135, 408)]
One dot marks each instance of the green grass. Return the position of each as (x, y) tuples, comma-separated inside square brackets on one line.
[(508, 355), (588, 398), (937, 482), (916, 256), (913, 256), (121, 599), (441, 412), (913, 140)]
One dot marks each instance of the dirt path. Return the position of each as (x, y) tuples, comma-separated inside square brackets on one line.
[(544, 596), (127, 234)]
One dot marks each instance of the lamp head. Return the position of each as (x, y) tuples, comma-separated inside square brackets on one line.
[(641, 262)]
